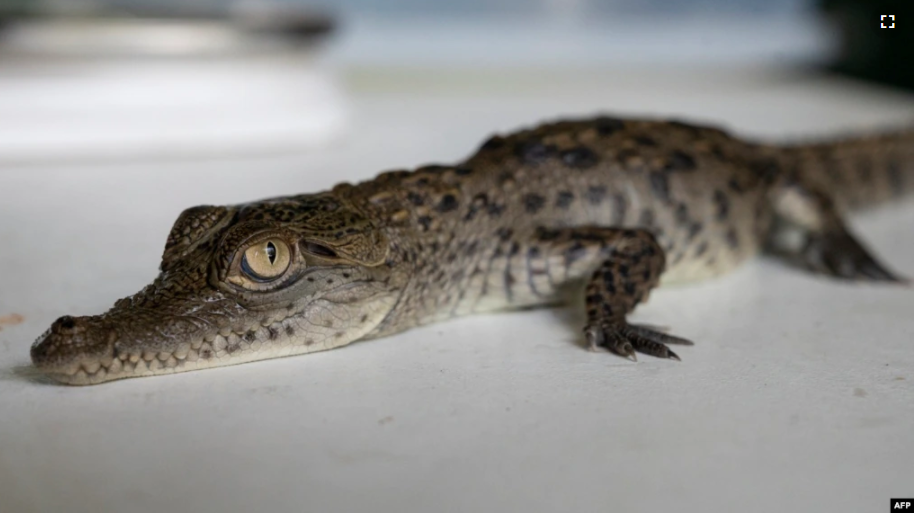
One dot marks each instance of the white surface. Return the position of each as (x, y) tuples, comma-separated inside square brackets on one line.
[(798, 395)]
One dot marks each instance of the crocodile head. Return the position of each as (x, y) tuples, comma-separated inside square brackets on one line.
[(236, 284)]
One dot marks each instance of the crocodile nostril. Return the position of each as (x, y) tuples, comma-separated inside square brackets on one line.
[(65, 323)]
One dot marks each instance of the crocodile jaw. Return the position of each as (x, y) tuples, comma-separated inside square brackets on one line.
[(91, 350)]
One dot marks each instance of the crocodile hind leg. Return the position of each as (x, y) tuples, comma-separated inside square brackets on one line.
[(826, 246), (631, 263)]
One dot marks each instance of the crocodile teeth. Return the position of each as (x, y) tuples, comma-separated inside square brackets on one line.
[(115, 367), (134, 358), (149, 356)]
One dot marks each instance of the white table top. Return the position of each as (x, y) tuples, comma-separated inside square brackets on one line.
[(798, 395)]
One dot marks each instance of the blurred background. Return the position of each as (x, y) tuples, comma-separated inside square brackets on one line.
[(122, 79)]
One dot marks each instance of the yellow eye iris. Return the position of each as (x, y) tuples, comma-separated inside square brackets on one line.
[(266, 260)]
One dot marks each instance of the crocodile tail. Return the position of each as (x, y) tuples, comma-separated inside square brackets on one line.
[(858, 172)]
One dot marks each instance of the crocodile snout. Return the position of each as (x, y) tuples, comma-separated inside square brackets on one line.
[(73, 345)]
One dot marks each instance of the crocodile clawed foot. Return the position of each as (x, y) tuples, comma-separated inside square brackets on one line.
[(624, 339), (840, 255)]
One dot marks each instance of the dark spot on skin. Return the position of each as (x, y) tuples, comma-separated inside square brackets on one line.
[(579, 158), (863, 169), (290, 331), (493, 143), (545, 234), (272, 333), (309, 342), (504, 233), (646, 218), (626, 155), (643, 140), (629, 288), (505, 177), (767, 169), (463, 171), (718, 152), (514, 249), (533, 203), (575, 252), (310, 279), (606, 125), (425, 222), (448, 203), (623, 269), (339, 334), (330, 282), (232, 348), (619, 208), (722, 205), (434, 246), (596, 193), (731, 238), (735, 185), (346, 275), (414, 198), (534, 152), (422, 182), (67, 322), (701, 248), (682, 213), (479, 201), (660, 186), (694, 230), (364, 318), (680, 161), (250, 336), (564, 199), (894, 173)]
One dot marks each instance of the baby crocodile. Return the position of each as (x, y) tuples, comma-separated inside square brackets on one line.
[(615, 205)]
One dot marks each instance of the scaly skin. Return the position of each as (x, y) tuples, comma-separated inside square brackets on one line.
[(612, 205)]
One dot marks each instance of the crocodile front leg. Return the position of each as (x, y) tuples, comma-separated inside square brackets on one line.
[(630, 263)]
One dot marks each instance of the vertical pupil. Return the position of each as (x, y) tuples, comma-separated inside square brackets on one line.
[(271, 252)]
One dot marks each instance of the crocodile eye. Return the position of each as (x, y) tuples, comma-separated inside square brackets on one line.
[(266, 260)]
